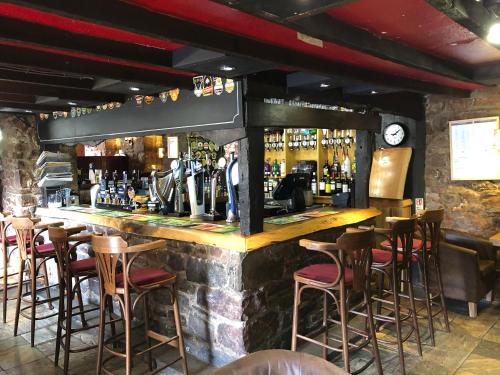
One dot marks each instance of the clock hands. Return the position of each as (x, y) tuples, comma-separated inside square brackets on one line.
[(396, 132)]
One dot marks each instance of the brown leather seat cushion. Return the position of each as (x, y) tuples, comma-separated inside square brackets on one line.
[(486, 266), (280, 362)]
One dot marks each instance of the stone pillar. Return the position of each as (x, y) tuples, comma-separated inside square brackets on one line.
[(19, 150)]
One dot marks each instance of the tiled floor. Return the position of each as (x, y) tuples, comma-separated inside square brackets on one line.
[(472, 347)]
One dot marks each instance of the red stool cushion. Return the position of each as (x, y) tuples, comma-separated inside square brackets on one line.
[(12, 239), (87, 264), (145, 276), (384, 256), (417, 244), (325, 273), (43, 248)]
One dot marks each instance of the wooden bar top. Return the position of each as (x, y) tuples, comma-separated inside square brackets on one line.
[(495, 239), (272, 234)]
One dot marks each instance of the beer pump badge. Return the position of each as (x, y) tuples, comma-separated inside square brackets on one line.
[(218, 86), (198, 85), (174, 94), (208, 86), (229, 86)]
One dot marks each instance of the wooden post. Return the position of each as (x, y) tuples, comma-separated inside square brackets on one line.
[(251, 186), (364, 155)]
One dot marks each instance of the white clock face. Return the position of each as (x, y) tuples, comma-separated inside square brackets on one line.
[(394, 134)]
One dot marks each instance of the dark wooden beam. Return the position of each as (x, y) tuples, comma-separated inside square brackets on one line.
[(18, 98), (365, 144), (14, 73), (327, 28), (132, 18), (25, 56), (33, 107), (33, 33), (13, 87)]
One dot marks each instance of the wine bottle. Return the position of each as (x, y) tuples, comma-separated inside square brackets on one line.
[(314, 184), (328, 186), (322, 186)]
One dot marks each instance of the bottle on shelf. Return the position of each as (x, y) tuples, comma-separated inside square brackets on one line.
[(338, 183), (322, 186), (328, 186), (314, 184), (282, 168), (276, 168), (345, 183), (326, 169)]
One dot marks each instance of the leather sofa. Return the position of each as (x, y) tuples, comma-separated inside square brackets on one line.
[(468, 268), (280, 362)]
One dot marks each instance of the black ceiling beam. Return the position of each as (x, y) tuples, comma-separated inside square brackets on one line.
[(132, 18), (327, 28), (25, 56), (18, 98), (34, 107), (20, 74), (23, 88), (34, 33)]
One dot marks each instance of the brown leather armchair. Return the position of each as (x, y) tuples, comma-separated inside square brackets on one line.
[(468, 268), (280, 362)]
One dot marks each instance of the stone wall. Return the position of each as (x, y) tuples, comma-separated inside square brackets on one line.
[(470, 206), (19, 150)]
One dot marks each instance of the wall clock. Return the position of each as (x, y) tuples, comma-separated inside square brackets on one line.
[(394, 134)]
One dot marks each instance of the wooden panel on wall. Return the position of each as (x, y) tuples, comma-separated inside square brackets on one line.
[(388, 172)]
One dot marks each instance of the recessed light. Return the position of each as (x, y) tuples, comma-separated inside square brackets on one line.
[(383, 32), (324, 85), (28, 111), (71, 103), (226, 68), (373, 92), (134, 88), (494, 34)]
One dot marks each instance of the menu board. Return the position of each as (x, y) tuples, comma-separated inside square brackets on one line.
[(475, 149)]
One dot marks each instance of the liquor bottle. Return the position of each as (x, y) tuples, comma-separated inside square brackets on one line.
[(282, 168), (104, 182), (314, 184), (328, 186), (322, 186), (267, 168), (92, 177), (338, 183), (326, 169), (346, 166), (335, 165), (345, 183), (276, 168)]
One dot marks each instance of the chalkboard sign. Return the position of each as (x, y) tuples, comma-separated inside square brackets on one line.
[(475, 149)]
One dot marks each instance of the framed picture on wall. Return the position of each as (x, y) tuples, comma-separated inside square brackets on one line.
[(475, 149)]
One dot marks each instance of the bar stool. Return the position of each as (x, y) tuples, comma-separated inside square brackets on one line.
[(71, 272), (30, 251), (395, 264), (428, 260), (142, 281), (350, 272), (9, 245)]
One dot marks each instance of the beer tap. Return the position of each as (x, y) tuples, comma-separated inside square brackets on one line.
[(232, 179), (178, 170), (195, 184), (213, 214), (162, 187)]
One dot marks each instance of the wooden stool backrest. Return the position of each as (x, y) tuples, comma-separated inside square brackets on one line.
[(59, 238), (402, 234), (108, 250), (24, 227), (431, 227), (356, 250)]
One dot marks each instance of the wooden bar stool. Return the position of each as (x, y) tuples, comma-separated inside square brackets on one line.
[(395, 264), (428, 260), (142, 281), (30, 251), (9, 246), (72, 272), (349, 272)]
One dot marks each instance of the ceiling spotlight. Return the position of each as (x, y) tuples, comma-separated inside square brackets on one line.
[(494, 34), (28, 111), (373, 92), (71, 103), (134, 88), (324, 85), (226, 68)]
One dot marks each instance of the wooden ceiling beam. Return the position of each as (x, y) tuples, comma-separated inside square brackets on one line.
[(121, 15), (71, 94), (23, 107), (29, 75)]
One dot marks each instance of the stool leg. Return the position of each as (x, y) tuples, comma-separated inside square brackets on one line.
[(146, 329), (128, 335), (46, 282), (178, 328), (441, 294), (295, 316), (325, 324), (5, 282), (78, 292), (414, 313), (371, 326), (345, 333), (69, 320), (428, 303), (100, 340), (397, 318), (33, 298), (380, 294), (60, 320), (19, 293)]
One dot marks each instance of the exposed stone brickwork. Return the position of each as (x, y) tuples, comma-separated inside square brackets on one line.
[(19, 150), (470, 206)]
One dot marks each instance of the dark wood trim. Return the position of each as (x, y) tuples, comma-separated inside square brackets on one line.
[(365, 143), (28, 32), (261, 115), (76, 65), (48, 78), (13, 87), (18, 98), (250, 191), (118, 14)]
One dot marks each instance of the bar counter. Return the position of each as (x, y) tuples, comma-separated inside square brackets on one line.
[(235, 292)]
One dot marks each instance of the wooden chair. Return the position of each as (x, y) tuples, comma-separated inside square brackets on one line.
[(395, 265), (30, 251), (72, 272), (350, 271), (142, 281)]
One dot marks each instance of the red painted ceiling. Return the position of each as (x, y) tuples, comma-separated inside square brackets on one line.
[(419, 25)]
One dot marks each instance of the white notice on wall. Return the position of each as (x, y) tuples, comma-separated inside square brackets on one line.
[(474, 150)]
